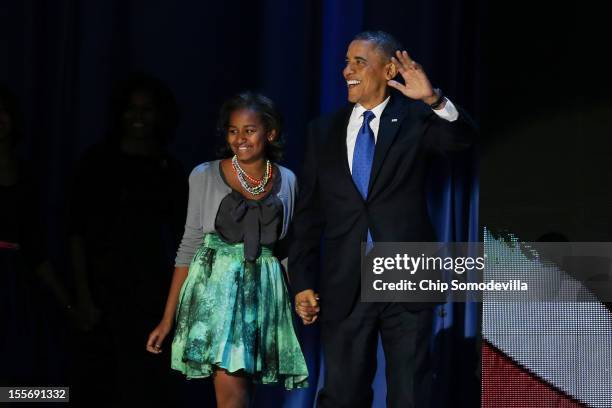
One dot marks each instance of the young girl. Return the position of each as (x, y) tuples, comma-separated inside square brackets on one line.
[(228, 296)]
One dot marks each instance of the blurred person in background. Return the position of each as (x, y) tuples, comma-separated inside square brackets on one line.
[(33, 301), (127, 209)]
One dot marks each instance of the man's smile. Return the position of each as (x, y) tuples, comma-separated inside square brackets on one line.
[(351, 83)]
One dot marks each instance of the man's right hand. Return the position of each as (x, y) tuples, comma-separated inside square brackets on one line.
[(307, 306)]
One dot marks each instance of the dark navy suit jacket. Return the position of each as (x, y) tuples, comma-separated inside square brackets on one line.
[(331, 212)]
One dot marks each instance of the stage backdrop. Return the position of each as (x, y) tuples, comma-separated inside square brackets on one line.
[(61, 58)]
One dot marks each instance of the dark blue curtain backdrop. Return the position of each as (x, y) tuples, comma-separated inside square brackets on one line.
[(61, 58)]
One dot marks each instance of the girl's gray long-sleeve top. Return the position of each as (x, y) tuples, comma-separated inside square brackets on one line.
[(206, 191)]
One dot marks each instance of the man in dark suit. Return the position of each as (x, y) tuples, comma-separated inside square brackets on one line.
[(363, 180)]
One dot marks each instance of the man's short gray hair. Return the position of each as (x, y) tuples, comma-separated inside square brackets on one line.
[(384, 42)]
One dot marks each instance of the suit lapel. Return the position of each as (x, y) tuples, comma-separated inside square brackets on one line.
[(390, 121)]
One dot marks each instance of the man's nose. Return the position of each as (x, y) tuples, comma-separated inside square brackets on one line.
[(348, 70)]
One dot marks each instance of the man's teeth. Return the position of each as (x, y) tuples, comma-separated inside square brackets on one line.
[(353, 82), (243, 147)]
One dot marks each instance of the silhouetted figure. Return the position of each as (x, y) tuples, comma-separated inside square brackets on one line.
[(28, 284), (20, 252), (127, 213)]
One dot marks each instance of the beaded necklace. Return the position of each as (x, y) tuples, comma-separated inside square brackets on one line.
[(244, 179)]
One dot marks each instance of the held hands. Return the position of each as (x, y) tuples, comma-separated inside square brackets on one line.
[(157, 336), (307, 306), (417, 85)]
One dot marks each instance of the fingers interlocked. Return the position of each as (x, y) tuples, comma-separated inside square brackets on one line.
[(307, 309)]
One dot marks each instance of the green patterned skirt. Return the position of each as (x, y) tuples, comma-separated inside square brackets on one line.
[(237, 316)]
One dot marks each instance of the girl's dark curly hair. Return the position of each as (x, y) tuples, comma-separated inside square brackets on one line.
[(268, 114)]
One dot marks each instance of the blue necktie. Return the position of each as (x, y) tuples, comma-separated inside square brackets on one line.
[(363, 155)]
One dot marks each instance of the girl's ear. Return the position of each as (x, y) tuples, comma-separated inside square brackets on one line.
[(271, 135)]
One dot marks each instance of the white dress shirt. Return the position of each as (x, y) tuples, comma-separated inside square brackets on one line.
[(449, 112)]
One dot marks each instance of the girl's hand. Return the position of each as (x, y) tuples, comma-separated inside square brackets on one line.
[(157, 336)]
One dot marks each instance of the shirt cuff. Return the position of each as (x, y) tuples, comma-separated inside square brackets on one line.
[(448, 112)]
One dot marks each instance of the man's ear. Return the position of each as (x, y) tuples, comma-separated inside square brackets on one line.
[(391, 70)]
